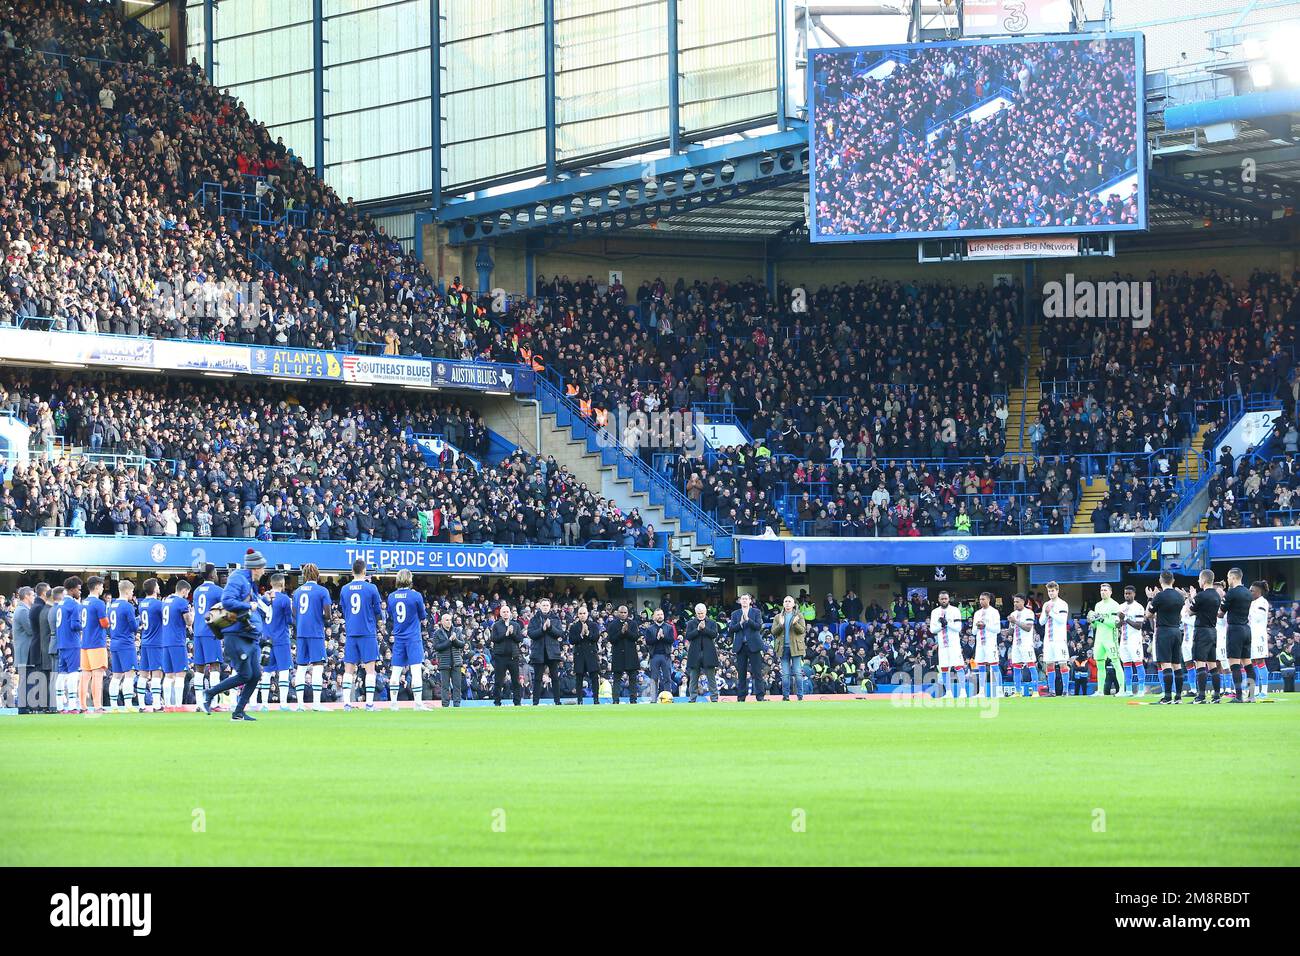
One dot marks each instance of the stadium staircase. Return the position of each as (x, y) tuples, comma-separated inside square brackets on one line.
[(595, 458), (1022, 403), (1095, 490)]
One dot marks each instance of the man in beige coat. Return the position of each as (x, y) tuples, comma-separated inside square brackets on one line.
[(789, 630)]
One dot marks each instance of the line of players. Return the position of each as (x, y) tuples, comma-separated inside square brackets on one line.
[(143, 644), (1222, 628)]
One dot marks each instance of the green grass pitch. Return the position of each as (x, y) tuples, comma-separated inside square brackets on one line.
[(1075, 781)]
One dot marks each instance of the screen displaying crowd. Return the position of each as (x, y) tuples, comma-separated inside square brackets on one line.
[(976, 138)]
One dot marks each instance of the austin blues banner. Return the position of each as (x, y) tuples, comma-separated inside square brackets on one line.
[(189, 554), (1255, 543), (479, 376), (939, 552)]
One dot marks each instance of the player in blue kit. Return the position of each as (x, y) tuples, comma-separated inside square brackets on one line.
[(176, 618), (207, 646), (94, 647), (67, 634), (407, 615), (123, 659), (151, 614), (362, 611), (276, 610), (311, 603)]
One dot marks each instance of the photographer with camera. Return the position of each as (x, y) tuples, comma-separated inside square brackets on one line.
[(233, 620)]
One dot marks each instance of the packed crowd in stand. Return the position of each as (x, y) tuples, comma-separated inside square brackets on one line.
[(277, 462), (1256, 492), (891, 159), (104, 165)]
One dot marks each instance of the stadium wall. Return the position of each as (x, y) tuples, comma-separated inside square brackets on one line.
[(648, 258)]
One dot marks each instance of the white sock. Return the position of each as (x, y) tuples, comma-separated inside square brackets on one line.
[(394, 686), (61, 691), (282, 681), (370, 688), (300, 682), (114, 687), (128, 692), (417, 683), (347, 688), (317, 682), (263, 692), (155, 689)]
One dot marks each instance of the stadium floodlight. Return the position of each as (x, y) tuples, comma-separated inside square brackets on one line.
[(219, 374), (1261, 74)]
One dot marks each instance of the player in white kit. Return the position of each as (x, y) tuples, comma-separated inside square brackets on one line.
[(945, 625), (1260, 609), (1055, 618), (1024, 663), (1188, 622), (1132, 616), (987, 625)]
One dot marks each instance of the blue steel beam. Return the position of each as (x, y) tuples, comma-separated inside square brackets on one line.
[(674, 84), (208, 42), (613, 195), (435, 105), (318, 84), (780, 66), (548, 39)]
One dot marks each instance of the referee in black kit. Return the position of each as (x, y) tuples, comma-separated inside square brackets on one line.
[(1205, 637), (1167, 607), (1236, 608)]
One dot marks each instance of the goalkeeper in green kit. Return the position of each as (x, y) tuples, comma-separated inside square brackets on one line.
[(1104, 618)]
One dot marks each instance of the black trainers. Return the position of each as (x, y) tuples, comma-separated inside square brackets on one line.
[(1164, 700), (239, 715), (207, 703)]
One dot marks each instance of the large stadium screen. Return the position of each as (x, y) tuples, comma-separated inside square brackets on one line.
[(1017, 136)]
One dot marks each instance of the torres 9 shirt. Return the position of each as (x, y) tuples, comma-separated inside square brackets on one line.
[(67, 624), (206, 596), (279, 610), (406, 610), (151, 614), (362, 609), (310, 602), (93, 614), (122, 623), (174, 610)]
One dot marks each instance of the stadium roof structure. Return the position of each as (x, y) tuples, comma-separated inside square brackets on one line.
[(1222, 142)]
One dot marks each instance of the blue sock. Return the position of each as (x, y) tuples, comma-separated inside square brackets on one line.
[(1261, 678), (1130, 676), (1017, 678), (988, 680), (947, 683)]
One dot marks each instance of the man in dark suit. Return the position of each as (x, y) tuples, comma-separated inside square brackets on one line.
[(746, 627), (659, 636), (584, 638), (624, 658), (43, 621), (702, 652), (448, 643), (546, 635), (26, 649), (506, 635)]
